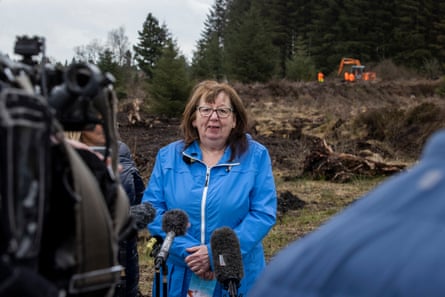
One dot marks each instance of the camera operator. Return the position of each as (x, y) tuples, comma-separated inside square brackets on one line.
[(94, 139), (62, 209)]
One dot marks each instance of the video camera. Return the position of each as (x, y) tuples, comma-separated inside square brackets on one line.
[(72, 92), (48, 209)]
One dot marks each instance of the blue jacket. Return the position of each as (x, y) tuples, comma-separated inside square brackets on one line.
[(240, 195), (391, 242)]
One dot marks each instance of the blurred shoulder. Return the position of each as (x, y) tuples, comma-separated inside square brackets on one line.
[(123, 147)]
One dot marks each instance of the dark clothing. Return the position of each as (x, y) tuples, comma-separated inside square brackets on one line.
[(130, 177), (128, 255), (388, 243), (57, 261), (22, 281)]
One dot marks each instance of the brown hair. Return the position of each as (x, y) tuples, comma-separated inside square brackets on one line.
[(209, 90)]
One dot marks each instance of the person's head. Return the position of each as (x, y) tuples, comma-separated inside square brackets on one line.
[(215, 113), (93, 137)]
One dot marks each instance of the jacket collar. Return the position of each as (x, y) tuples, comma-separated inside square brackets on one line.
[(193, 153)]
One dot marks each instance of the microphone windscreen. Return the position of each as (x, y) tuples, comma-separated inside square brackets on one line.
[(142, 214), (175, 220), (227, 259)]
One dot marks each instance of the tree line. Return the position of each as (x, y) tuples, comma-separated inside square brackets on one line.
[(258, 40), (261, 40)]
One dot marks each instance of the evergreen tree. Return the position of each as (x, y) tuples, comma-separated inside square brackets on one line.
[(437, 33), (152, 40), (170, 84), (200, 68), (409, 33), (352, 34), (300, 67), (107, 63), (324, 42), (380, 29), (278, 16), (249, 52), (207, 60)]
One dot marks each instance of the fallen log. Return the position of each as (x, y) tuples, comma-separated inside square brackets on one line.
[(323, 163)]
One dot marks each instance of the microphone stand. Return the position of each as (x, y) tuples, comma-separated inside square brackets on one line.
[(232, 288), (164, 279), (233, 292), (159, 262), (158, 282)]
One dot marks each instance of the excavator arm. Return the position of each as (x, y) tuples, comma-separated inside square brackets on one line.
[(347, 61)]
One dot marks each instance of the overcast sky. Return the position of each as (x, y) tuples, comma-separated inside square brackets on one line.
[(66, 24)]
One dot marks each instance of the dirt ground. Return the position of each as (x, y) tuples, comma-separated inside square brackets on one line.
[(384, 121)]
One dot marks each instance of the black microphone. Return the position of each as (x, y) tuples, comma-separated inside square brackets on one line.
[(174, 223), (227, 259), (142, 214)]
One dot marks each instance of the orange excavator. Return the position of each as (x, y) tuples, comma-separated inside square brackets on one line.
[(357, 71)]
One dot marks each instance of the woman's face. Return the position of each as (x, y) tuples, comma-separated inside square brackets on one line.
[(213, 128)]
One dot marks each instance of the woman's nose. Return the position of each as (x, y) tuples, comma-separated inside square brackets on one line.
[(214, 115)]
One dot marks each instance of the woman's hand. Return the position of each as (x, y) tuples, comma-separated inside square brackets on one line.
[(198, 261)]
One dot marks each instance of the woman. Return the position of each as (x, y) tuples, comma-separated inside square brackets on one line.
[(220, 177), (134, 186)]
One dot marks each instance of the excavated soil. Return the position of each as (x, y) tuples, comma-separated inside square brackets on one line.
[(380, 121)]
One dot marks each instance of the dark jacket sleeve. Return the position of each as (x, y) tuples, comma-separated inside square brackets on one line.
[(130, 177)]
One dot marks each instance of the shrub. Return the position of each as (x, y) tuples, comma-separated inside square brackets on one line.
[(388, 70)]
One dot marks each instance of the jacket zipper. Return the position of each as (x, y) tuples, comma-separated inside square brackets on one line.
[(205, 190), (203, 205)]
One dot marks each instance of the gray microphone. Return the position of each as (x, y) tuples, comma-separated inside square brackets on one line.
[(227, 259), (174, 223), (142, 214)]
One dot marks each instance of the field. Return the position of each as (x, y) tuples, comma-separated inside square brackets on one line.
[(372, 123)]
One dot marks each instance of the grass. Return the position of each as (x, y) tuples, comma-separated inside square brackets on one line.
[(323, 199)]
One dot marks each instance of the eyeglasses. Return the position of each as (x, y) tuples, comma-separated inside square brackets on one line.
[(222, 112)]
